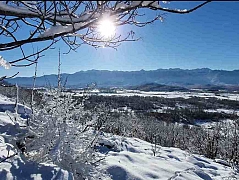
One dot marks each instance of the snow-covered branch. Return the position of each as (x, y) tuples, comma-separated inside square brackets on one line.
[(75, 22)]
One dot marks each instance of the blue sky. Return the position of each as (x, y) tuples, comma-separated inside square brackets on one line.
[(206, 38)]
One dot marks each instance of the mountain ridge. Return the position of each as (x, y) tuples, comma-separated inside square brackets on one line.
[(112, 78)]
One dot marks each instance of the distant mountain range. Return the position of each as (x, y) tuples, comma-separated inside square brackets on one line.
[(195, 78)]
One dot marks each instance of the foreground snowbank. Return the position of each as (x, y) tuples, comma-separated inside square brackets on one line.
[(132, 158), (18, 169)]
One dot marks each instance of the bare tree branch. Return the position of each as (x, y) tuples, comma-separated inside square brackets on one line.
[(74, 22)]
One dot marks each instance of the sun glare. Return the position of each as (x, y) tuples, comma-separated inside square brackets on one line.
[(106, 28)]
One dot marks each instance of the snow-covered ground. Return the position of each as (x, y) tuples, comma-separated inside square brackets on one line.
[(7, 104), (175, 94), (16, 168), (226, 111), (125, 159), (132, 158)]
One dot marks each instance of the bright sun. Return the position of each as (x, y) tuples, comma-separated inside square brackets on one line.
[(106, 28)]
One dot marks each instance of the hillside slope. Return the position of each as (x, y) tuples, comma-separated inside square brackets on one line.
[(132, 158), (124, 158)]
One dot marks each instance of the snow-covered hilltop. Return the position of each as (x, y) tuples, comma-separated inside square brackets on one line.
[(124, 158)]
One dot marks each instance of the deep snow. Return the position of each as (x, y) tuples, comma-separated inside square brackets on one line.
[(132, 158)]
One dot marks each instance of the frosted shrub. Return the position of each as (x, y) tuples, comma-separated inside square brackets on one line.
[(63, 135)]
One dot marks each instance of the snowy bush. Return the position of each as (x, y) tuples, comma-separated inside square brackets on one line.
[(63, 134)]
